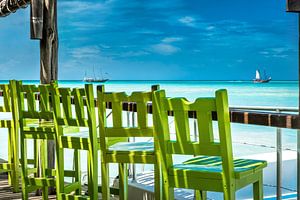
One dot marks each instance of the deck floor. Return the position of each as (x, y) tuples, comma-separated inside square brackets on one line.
[(6, 191)]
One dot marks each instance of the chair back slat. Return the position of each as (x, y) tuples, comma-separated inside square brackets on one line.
[(205, 127), (141, 99), (183, 144), (44, 98), (206, 144), (71, 107), (30, 92), (65, 94), (117, 100), (6, 106), (30, 106), (79, 105)]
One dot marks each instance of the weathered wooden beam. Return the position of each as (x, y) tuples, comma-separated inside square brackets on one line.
[(293, 6), (49, 43), (36, 19), (11, 6), (49, 59)]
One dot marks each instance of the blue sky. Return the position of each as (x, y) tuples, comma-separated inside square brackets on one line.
[(159, 40)]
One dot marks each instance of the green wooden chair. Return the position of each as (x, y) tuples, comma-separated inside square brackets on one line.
[(81, 114), (124, 152), (36, 123), (214, 169), (8, 105)]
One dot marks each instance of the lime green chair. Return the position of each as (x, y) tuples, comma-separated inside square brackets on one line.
[(9, 105), (36, 123), (124, 152), (81, 115), (214, 169)]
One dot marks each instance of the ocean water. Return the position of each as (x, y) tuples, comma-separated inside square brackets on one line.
[(247, 139)]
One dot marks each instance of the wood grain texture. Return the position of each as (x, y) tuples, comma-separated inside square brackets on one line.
[(7, 7)]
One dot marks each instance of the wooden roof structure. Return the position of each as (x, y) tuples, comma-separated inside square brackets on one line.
[(11, 6)]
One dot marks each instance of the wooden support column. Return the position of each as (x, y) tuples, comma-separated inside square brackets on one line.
[(49, 59), (49, 43)]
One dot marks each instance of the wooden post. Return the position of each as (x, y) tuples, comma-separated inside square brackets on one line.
[(49, 43), (36, 19), (49, 59), (7, 7)]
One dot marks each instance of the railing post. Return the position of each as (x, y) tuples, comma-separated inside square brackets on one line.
[(128, 125), (279, 161), (298, 164), (133, 140), (195, 127)]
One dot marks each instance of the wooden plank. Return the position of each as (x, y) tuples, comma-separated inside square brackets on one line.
[(7, 7), (293, 5), (36, 19), (49, 59)]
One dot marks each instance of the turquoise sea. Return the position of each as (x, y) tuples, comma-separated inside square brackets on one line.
[(241, 93), (247, 139)]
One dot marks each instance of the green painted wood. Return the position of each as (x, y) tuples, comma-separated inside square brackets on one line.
[(75, 108), (118, 152), (214, 169), (9, 105), (34, 115)]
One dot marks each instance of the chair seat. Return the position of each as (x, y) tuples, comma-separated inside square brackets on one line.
[(211, 167), (125, 147)]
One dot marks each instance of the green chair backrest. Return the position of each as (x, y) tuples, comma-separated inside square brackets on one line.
[(74, 107), (34, 101), (206, 144), (139, 100), (6, 94)]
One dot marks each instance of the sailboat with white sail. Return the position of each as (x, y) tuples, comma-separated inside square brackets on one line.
[(95, 79), (259, 79)]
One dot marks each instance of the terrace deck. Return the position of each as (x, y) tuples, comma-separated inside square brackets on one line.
[(6, 191)]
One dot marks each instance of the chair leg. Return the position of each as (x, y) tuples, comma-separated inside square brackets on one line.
[(45, 193), (77, 169), (258, 189), (93, 174), (59, 171), (24, 168), (15, 160), (105, 180), (44, 166), (200, 195), (123, 181), (229, 194), (10, 156), (157, 182)]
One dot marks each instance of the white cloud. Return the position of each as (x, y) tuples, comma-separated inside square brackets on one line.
[(164, 49), (172, 39), (188, 21), (209, 28), (85, 25), (77, 7), (134, 53), (276, 52), (85, 52)]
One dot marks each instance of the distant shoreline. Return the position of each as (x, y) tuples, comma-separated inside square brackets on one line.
[(169, 80)]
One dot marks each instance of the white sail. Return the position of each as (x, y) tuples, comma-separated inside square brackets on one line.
[(257, 75)]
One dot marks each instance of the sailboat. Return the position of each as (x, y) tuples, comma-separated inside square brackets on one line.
[(258, 78), (94, 79)]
